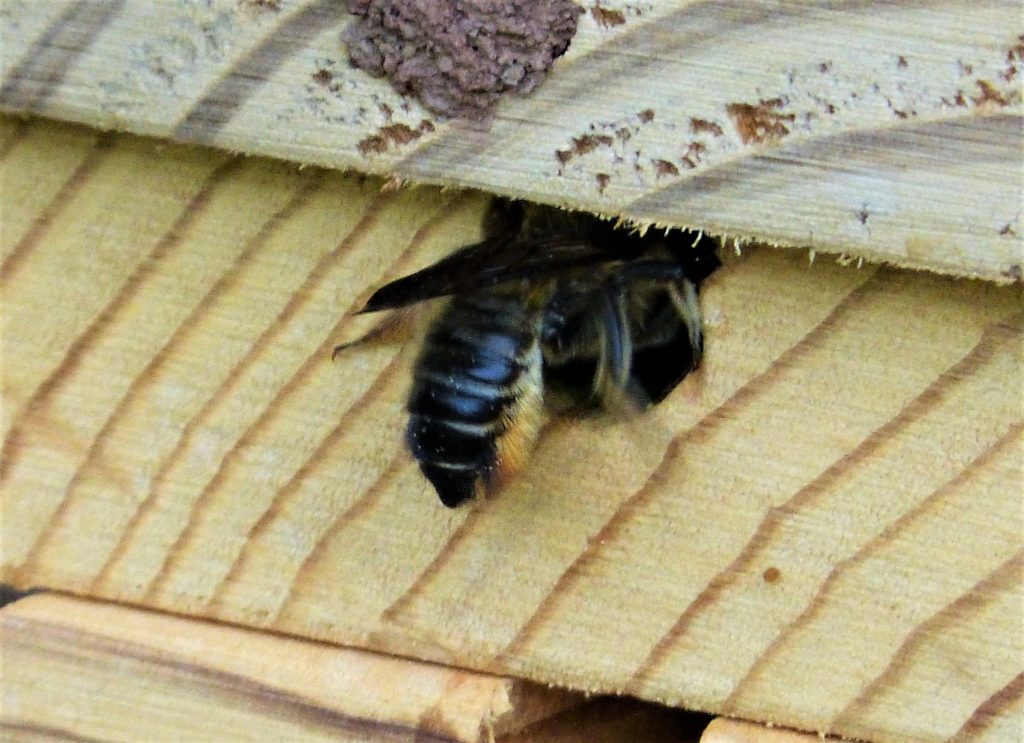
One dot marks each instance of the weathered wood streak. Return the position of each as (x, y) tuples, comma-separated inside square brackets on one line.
[(866, 708), (141, 387), (255, 560), (39, 404), (200, 452), (11, 133), (294, 606), (235, 86), (879, 114), (60, 215), (107, 317), (40, 72), (207, 497), (19, 730)]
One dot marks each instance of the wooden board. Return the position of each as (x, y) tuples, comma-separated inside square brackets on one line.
[(127, 674), (823, 528), (886, 131), (725, 730)]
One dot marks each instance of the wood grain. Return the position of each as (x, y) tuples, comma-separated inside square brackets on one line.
[(725, 730), (823, 528), (884, 131), (127, 674)]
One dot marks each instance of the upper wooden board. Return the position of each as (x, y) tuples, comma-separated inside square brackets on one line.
[(889, 131)]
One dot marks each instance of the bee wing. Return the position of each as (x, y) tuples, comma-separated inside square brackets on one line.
[(488, 263)]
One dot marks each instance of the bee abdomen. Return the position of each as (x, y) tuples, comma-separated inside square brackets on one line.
[(467, 393)]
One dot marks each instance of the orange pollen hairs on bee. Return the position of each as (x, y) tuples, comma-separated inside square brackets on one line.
[(522, 421)]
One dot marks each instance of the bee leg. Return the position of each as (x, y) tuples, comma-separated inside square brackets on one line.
[(613, 383), (615, 322), (616, 344), (683, 294), (668, 344), (396, 325), (681, 290)]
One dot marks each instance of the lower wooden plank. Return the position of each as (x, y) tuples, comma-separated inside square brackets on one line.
[(821, 529), (726, 730), (986, 728), (85, 670)]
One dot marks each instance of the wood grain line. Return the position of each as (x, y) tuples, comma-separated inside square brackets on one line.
[(125, 293), (33, 731), (146, 377), (196, 422), (460, 535), (42, 69), (384, 379), (739, 399), (61, 200), (62, 642), (816, 155), (219, 104), (287, 491), (373, 213), (989, 710), (48, 434), (1006, 577), (366, 500), (886, 536), (913, 411)]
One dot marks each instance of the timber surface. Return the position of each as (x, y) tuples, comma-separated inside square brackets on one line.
[(888, 131), (128, 674), (726, 730), (822, 528)]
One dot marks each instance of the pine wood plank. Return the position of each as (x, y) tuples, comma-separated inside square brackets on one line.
[(887, 131), (822, 529), (725, 730), (126, 674)]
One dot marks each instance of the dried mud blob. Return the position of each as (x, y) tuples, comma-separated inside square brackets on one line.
[(460, 56)]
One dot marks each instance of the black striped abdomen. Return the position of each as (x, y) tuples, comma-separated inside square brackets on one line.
[(475, 401)]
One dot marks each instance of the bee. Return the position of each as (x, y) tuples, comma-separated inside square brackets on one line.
[(549, 300)]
